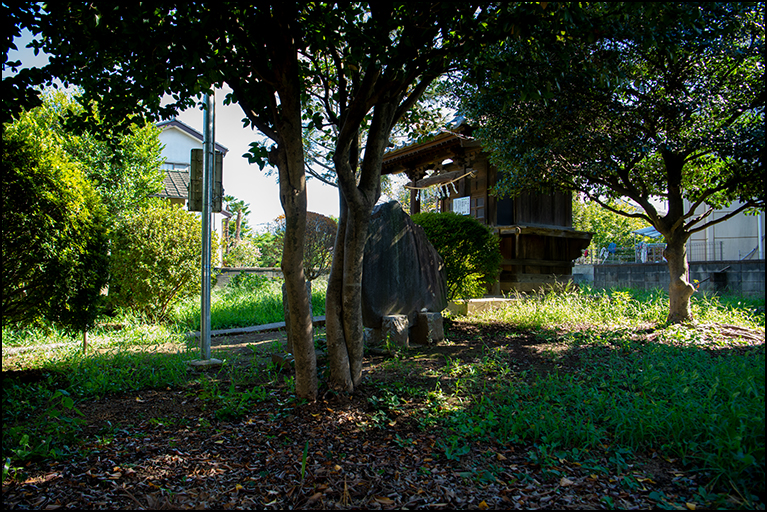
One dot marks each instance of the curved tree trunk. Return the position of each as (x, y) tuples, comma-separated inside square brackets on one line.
[(338, 355), (680, 290), (343, 306)]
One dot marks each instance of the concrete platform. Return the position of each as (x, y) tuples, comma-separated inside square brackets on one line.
[(471, 306)]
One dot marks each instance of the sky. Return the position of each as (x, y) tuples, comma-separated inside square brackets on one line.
[(241, 179), (247, 182)]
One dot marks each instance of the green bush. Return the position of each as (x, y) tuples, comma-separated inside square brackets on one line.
[(470, 250), (156, 253), (54, 243)]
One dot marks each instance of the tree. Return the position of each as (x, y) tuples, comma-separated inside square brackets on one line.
[(370, 72), (638, 100), (318, 245), (608, 227), (126, 172), (54, 243), (241, 209), (380, 59), (254, 50), (270, 247)]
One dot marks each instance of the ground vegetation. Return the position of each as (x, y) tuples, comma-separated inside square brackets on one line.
[(583, 399)]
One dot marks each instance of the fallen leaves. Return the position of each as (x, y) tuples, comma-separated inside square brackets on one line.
[(188, 459)]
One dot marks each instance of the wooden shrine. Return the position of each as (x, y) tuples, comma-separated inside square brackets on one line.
[(538, 242)]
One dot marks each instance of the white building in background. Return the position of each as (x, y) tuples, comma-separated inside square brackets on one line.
[(179, 139), (738, 238)]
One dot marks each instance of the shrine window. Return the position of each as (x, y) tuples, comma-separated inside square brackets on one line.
[(478, 208)]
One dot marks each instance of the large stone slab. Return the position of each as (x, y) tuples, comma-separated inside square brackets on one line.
[(402, 274)]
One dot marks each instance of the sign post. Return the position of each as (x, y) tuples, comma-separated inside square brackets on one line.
[(208, 143)]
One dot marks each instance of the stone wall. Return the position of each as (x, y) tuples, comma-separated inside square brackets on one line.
[(736, 277)]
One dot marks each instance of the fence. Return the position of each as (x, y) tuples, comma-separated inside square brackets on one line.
[(640, 253), (653, 253), (705, 251)]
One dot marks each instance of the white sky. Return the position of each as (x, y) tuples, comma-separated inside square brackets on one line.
[(248, 182), (242, 180)]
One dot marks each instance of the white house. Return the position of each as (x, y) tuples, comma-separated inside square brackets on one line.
[(179, 139)]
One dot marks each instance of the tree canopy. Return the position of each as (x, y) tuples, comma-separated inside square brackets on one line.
[(645, 101), (370, 63)]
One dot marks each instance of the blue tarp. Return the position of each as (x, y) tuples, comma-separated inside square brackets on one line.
[(651, 232)]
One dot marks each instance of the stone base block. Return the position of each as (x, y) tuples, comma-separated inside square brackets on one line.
[(394, 328), (428, 329)]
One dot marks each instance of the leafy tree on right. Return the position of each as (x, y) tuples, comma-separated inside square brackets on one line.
[(650, 101)]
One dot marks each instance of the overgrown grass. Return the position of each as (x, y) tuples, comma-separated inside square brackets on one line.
[(572, 308), (675, 396), (247, 300), (623, 395)]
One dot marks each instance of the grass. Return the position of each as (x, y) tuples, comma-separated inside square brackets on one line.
[(615, 308), (672, 397), (607, 389), (247, 300)]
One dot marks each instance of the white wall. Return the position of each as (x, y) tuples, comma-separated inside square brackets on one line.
[(178, 145), (177, 150), (732, 239)]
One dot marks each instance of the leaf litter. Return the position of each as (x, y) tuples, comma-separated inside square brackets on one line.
[(165, 449)]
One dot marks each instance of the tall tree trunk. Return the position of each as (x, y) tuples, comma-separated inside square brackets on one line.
[(343, 305), (338, 355), (680, 290), (225, 233), (293, 198), (238, 228)]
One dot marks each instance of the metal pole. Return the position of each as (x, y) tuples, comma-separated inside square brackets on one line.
[(208, 141)]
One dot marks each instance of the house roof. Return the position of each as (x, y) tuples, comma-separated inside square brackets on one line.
[(175, 123), (175, 184)]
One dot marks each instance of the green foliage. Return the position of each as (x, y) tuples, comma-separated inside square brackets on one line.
[(671, 106), (156, 254), (270, 248), (234, 255), (247, 300), (469, 249), (245, 253), (54, 243), (607, 226)]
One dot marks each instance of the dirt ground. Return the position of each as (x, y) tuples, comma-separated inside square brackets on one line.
[(166, 449)]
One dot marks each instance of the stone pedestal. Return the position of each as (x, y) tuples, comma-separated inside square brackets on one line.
[(394, 328), (428, 329)]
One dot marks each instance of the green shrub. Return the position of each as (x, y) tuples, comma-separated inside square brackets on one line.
[(470, 250), (54, 243), (156, 253)]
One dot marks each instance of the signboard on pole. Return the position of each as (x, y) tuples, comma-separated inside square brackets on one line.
[(196, 183)]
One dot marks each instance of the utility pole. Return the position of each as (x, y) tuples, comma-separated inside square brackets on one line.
[(208, 143), (205, 192)]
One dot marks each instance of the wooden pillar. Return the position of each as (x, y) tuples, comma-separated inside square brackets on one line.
[(415, 202)]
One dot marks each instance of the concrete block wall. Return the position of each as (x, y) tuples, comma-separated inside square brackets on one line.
[(736, 277)]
